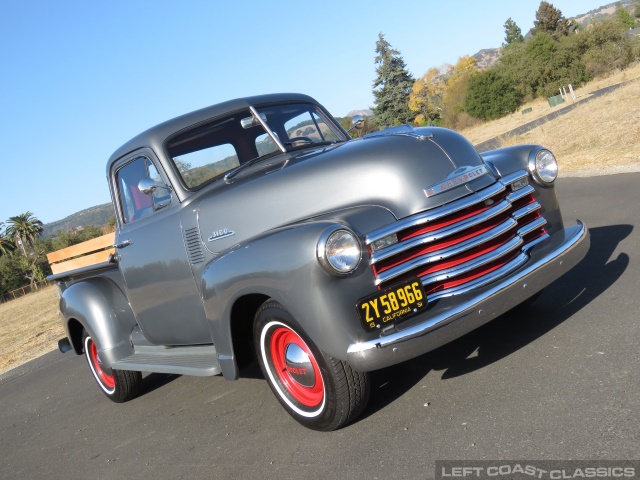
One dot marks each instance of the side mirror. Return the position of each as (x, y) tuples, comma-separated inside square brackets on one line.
[(356, 122), (147, 186)]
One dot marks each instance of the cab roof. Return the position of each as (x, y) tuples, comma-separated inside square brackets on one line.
[(157, 135)]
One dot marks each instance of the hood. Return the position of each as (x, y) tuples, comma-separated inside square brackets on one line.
[(389, 169)]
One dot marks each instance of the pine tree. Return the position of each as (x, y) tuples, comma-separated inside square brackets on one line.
[(550, 20), (512, 33), (392, 86)]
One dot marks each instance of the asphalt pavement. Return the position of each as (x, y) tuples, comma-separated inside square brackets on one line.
[(556, 381)]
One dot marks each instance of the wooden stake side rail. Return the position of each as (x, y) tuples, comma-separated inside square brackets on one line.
[(96, 250)]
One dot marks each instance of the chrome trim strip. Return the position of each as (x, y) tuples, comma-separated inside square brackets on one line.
[(518, 194), (434, 214), (526, 210), (488, 257), (527, 247), (497, 209), (502, 271), (447, 252), (530, 227), (564, 250), (495, 275), (513, 177), (455, 206), (435, 235)]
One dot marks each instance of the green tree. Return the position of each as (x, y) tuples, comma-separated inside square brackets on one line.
[(624, 17), (16, 271), (70, 237), (6, 246), (392, 86), (24, 228), (490, 95), (512, 33), (550, 20), (541, 64), (606, 47)]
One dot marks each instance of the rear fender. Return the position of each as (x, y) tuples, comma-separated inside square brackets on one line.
[(103, 310)]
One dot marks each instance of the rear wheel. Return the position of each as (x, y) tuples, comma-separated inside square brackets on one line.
[(320, 392), (118, 385)]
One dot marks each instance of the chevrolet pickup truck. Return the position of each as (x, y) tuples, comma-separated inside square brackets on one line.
[(257, 228)]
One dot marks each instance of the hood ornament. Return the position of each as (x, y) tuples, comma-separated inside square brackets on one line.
[(220, 234), (458, 177)]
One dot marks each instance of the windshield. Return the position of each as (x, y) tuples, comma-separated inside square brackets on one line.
[(224, 144)]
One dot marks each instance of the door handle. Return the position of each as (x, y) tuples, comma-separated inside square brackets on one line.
[(124, 243)]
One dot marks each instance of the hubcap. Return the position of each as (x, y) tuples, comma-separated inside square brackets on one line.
[(296, 368), (299, 366), (108, 380)]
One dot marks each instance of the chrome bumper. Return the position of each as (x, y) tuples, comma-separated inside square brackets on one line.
[(548, 261)]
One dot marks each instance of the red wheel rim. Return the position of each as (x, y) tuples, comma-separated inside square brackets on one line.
[(307, 396), (107, 380)]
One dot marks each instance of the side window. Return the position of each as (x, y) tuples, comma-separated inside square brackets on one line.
[(135, 204)]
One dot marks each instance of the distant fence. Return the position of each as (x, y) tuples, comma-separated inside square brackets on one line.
[(22, 291)]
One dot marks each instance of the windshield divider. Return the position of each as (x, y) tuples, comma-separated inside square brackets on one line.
[(273, 136)]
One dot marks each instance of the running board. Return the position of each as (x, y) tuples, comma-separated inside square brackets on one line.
[(200, 361)]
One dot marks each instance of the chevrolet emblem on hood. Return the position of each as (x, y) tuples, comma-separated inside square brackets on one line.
[(456, 178)]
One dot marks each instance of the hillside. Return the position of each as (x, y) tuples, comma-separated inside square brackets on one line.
[(98, 216), (488, 57)]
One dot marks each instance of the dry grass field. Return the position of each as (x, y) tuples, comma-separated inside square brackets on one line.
[(29, 327), (604, 132)]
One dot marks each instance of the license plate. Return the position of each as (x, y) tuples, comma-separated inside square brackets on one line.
[(392, 304)]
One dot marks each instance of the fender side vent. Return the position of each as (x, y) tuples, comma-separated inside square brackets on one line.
[(194, 247)]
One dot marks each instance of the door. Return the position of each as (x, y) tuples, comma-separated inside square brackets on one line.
[(152, 257)]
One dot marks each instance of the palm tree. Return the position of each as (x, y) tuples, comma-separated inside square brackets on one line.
[(24, 228), (6, 247)]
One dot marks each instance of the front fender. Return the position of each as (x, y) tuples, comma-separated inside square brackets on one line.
[(102, 309), (511, 159), (283, 265)]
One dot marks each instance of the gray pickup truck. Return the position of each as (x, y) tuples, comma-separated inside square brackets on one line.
[(259, 228)]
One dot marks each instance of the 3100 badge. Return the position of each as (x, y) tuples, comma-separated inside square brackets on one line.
[(392, 304)]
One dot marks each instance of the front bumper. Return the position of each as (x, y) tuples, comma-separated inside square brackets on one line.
[(548, 261)]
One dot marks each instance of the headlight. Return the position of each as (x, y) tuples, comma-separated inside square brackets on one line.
[(339, 251), (544, 167)]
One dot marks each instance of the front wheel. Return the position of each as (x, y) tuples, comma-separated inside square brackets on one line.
[(118, 385), (320, 392)]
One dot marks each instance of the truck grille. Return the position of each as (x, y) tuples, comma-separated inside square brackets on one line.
[(464, 244)]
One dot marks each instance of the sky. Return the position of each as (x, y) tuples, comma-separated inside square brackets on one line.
[(83, 77)]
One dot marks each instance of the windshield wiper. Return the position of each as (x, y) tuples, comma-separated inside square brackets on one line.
[(238, 169), (308, 144)]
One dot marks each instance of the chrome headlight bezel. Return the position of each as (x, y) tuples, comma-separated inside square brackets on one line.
[(543, 167), (331, 239)]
